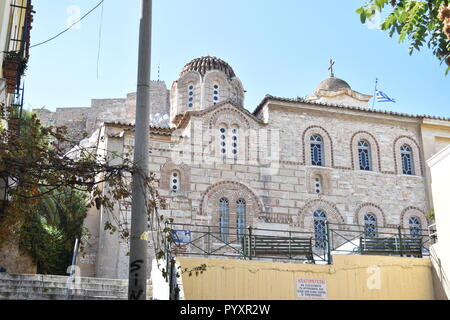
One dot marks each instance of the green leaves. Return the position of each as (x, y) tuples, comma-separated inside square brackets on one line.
[(414, 21)]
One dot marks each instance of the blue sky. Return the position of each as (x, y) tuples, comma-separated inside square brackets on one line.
[(278, 47)]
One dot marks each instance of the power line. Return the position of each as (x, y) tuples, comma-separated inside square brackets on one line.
[(90, 11), (99, 40)]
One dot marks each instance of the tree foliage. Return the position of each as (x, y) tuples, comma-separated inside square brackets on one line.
[(418, 22), (45, 188)]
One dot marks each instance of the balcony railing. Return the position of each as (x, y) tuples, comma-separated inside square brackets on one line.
[(296, 245)]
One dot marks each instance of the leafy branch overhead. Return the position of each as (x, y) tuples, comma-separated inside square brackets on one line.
[(39, 174), (418, 22)]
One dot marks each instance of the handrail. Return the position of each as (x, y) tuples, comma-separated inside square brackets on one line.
[(215, 241)]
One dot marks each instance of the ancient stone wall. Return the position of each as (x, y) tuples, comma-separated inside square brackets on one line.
[(86, 120)]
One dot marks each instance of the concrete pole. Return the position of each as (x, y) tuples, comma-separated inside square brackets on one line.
[(137, 284)]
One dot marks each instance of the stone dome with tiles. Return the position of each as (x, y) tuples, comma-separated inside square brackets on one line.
[(208, 63)]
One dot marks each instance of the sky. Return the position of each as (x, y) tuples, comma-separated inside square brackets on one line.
[(277, 47)]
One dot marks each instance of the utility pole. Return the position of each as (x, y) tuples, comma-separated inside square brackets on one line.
[(137, 280)]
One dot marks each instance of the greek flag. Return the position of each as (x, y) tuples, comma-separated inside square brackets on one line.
[(382, 97)]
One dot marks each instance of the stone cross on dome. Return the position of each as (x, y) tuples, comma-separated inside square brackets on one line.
[(331, 67)]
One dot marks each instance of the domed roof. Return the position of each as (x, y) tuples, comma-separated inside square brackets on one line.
[(333, 84), (205, 64)]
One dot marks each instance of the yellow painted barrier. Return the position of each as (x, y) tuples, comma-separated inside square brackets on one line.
[(351, 277)]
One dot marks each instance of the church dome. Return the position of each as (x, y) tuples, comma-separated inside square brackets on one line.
[(205, 64), (333, 84)]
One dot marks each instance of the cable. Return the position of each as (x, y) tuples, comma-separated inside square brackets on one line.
[(99, 40), (44, 42)]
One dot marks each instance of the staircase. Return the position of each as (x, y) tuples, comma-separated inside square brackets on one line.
[(48, 287)]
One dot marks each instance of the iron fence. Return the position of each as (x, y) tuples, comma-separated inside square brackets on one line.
[(395, 241), (298, 246), (247, 243)]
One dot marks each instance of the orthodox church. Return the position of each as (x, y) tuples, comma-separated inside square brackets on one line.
[(291, 164)]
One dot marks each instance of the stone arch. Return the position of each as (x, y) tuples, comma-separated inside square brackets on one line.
[(372, 208), (166, 171), (417, 160), (233, 191), (179, 92), (239, 92), (409, 212), (324, 175), (374, 150), (232, 118), (327, 143), (219, 77), (306, 214)]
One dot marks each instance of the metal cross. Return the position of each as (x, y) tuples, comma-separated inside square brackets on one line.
[(331, 67)]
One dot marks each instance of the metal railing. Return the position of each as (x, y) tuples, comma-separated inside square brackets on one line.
[(347, 239), (240, 243), (228, 242)]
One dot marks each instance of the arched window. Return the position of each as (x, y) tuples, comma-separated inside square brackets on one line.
[(223, 140), (240, 217), (234, 141), (216, 93), (415, 227), (318, 184), (370, 225), (224, 213), (364, 155), (175, 181), (317, 150), (407, 159), (190, 103), (320, 219)]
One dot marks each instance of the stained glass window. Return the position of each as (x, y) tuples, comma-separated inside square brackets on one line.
[(224, 218), (241, 213), (407, 159), (415, 227), (223, 141), (175, 181), (318, 184), (364, 155), (191, 95), (320, 219), (316, 150), (370, 225), (216, 93)]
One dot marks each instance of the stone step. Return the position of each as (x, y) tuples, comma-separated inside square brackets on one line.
[(63, 291), (50, 284), (50, 287), (52, 278), (13, 295)]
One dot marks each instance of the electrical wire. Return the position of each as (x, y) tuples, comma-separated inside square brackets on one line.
[(99, 40), (90, 11)]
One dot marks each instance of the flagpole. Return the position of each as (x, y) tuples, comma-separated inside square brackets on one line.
[(375, 93)]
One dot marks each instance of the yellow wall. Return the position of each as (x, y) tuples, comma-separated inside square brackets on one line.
[(348, 278)]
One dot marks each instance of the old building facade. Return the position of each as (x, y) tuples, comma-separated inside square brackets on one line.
[(285, 166)]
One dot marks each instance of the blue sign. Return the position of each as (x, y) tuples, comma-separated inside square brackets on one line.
[(182, 236)]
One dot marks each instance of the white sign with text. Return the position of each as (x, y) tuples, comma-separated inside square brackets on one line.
[(312, 289)]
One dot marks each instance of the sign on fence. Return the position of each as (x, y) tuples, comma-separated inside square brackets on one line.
[(312, 289), (182, 236)]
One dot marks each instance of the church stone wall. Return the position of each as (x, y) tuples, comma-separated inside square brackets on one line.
[(283, 198)]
